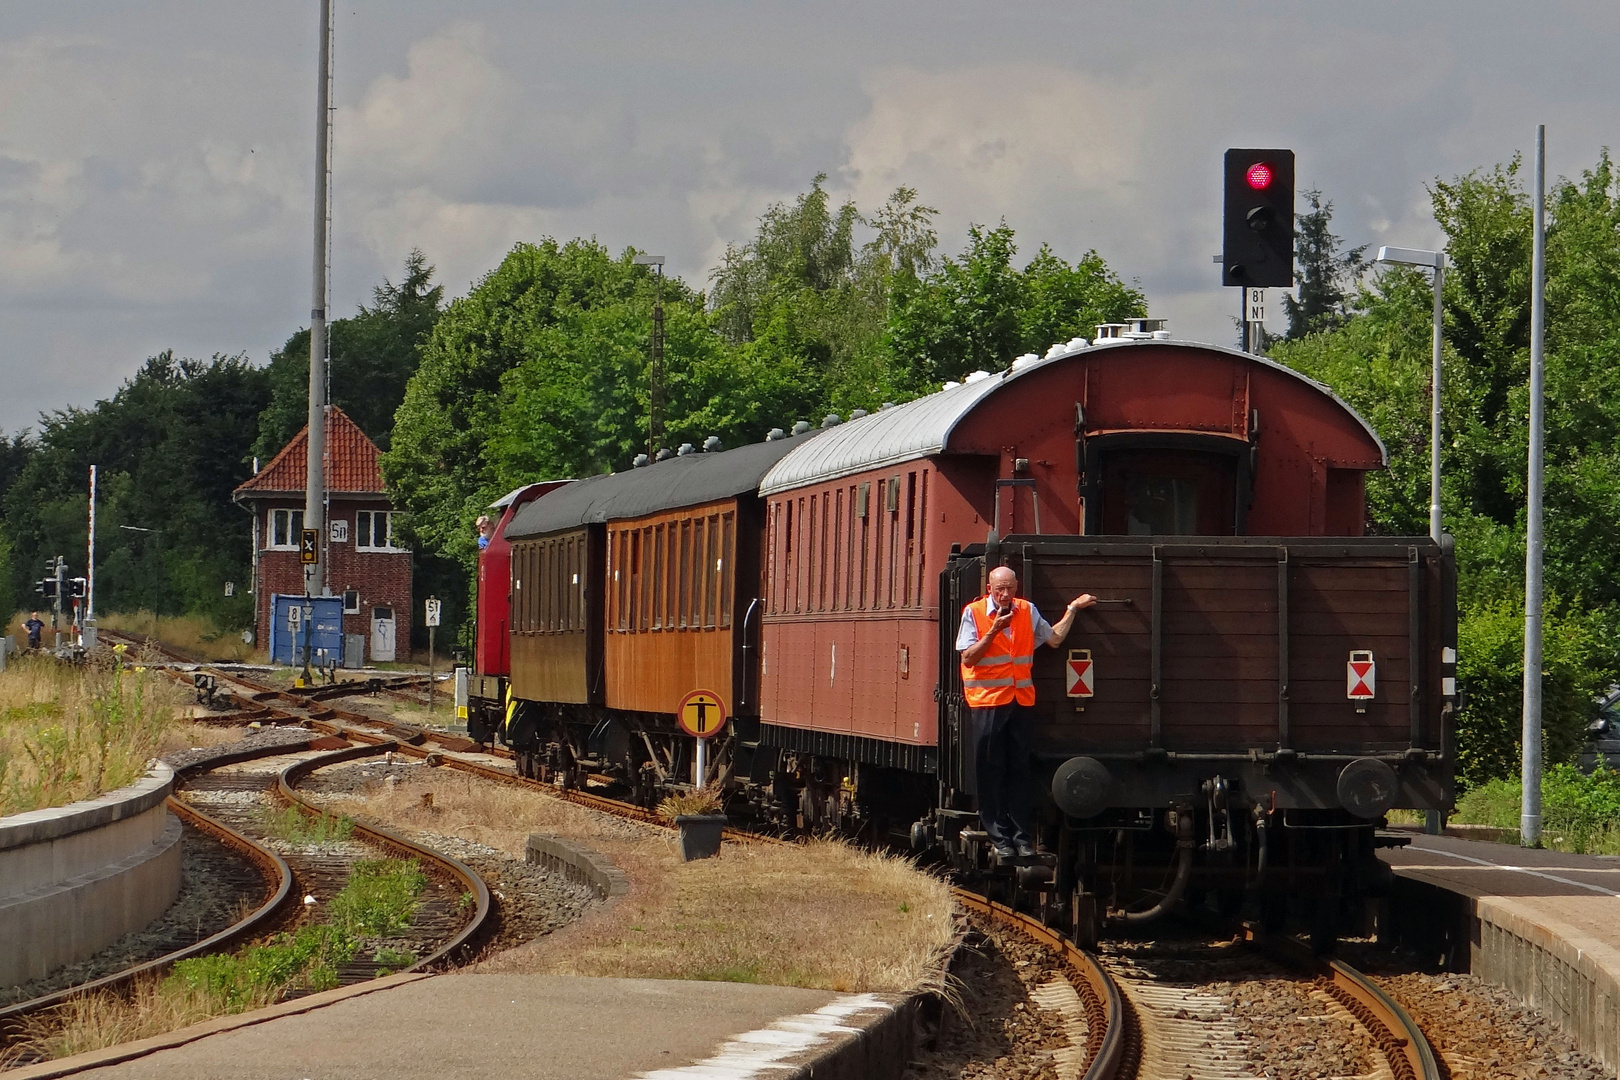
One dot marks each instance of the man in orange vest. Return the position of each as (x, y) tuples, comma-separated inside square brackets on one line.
[(997, 640)]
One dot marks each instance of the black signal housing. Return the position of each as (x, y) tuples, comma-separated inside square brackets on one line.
[(1258, 223)]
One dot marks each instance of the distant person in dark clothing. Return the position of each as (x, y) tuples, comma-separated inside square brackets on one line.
[(34, 628)]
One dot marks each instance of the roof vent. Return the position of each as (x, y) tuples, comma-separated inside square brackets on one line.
[(641, 462), (856, 414), (979, 376), (950, 384), (711, 444), (1108, 331), (801, 427), (831, 420), (663, 454), (886, 406), (1075, 344), (686, 448), (1057, 349), (1161, 335), (774, 434)]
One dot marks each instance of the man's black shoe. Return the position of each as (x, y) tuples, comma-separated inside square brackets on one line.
[(1005, 851), (1025, 849)]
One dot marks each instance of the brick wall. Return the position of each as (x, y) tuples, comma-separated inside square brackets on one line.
[(383, 578)]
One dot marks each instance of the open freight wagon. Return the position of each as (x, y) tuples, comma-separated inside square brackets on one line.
[(1240, 715)]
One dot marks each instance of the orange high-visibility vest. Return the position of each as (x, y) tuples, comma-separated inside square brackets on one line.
[(1005, 673)]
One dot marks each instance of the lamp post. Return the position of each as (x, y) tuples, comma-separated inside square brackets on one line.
[(1436, 261), (656, 374)]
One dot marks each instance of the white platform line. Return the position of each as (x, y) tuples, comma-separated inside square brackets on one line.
[(758, 1053)]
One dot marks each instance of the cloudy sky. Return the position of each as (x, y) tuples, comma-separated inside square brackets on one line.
[(156, 159)]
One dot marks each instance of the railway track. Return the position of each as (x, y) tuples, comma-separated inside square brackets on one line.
[(454, 910), (1132, 1028)]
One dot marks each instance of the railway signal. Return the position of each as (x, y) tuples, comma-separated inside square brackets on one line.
[(309, 547), (1258, 226)]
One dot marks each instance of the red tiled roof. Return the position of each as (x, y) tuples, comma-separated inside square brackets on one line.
[(351, 462)]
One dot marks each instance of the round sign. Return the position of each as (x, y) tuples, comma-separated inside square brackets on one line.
[(701, 713)]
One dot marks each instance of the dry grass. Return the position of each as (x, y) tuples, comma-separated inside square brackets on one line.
[(822, 915), (190, 736), (94, 1021), (194, 635), (70, 733)]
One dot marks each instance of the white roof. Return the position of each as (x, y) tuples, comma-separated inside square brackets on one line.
[(923, 427)]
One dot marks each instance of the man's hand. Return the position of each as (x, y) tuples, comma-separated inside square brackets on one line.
[(1060, 629), (1081, 602), (1003, 621)]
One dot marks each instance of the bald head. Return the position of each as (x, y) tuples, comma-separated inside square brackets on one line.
[(1003, 586)]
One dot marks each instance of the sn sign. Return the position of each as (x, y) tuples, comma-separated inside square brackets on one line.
[(1361, 676), (1080, 673)]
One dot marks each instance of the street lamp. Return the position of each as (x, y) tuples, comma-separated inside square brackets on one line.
[(1436, 261)]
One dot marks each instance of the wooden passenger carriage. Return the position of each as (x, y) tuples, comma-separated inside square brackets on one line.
[(628, 591)]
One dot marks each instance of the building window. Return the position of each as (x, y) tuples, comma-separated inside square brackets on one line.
[(374, 531), (351, 601), (285, 526)]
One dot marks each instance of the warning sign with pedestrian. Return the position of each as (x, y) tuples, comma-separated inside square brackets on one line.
[(1080, 673), (1361, 676), (701, 713)]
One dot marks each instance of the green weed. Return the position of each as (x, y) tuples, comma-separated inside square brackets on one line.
[(390, 960), (380, 898), (297, 827)]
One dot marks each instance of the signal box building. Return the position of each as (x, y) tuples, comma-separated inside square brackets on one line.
[(366, 565)]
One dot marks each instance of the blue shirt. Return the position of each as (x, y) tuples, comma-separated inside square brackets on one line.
[(967, 635)]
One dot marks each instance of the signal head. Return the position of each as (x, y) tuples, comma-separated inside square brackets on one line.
[(1259, 175)]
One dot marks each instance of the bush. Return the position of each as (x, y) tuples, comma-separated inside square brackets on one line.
[(1579, 812)]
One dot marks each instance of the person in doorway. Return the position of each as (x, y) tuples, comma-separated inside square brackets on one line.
[(34, 627), (997, 640), (486, 529)]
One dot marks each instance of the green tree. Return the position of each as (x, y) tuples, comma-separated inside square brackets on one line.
[(978, 311), (171, 445), (1327, 272), (373, 355)]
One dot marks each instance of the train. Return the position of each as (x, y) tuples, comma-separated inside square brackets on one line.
[(1261, 684)]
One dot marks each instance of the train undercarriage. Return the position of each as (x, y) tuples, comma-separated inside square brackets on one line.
[(1313, 869)]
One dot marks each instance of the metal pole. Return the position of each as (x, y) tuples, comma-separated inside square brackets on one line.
[(700, 762), (431, 629), (315, 475), (1434, 413), (1530, 813), (655, 427), (90, 559)]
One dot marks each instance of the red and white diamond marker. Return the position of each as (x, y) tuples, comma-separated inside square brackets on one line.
[(1080, 673), (1361, 676)]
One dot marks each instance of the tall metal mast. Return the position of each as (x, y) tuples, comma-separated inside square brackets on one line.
[(1530, 775), (315, 583)]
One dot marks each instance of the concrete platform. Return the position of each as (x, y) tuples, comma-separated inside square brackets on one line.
[(1544, 924), (475, 1026)]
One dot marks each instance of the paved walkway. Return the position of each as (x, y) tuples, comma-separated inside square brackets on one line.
[(549, 1027)]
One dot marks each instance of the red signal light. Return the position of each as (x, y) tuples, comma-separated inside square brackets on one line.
[(1258, 176)]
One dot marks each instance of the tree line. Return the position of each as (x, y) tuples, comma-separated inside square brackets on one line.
[(541, 370)]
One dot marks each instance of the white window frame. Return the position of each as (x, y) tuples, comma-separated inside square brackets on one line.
[(295, 526), (386, 518)]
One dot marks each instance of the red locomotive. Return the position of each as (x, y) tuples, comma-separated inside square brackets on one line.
[(1212, 746)]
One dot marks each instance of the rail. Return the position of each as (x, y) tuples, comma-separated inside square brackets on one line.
[(1398, 1036), (271, 865), (472, 884)]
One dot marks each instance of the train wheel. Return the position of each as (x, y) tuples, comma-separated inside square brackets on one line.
[(1085, 919)]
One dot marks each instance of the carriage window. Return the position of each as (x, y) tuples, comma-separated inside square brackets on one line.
[(711, 572), (686, 571), (658, 578), (621, 580), (726, 557), (1169, 493)]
